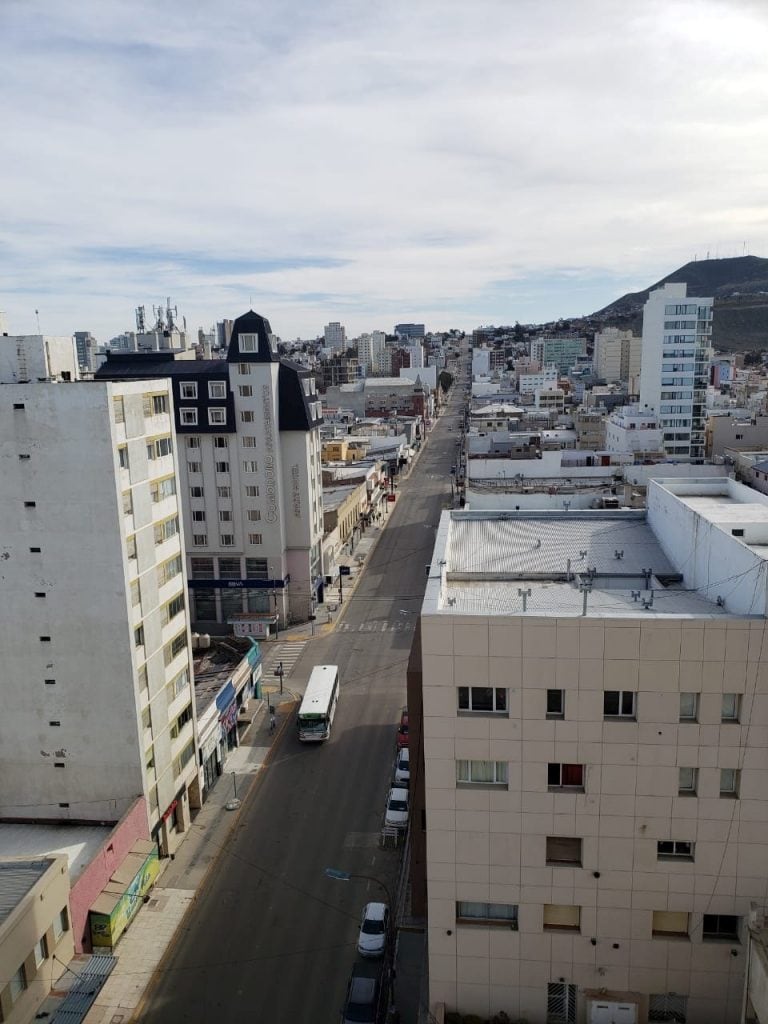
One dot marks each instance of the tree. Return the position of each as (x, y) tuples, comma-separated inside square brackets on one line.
[(445, 380)]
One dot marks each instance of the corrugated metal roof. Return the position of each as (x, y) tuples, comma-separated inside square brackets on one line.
[(90, 980), (500, 544), (17, 877)]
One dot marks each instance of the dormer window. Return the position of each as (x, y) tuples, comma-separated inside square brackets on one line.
[(248, 343)]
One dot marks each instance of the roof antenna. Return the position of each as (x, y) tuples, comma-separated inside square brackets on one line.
[(37, 314)]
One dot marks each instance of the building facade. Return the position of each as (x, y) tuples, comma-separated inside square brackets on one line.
[(617, 355), (563, 351), (96, 644), (595, 713), (677, 330), (251, 479), (335, 335)]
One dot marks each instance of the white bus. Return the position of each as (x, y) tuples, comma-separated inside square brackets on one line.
[(319, 704)]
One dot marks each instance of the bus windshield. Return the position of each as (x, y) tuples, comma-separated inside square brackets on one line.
[(319, 704)]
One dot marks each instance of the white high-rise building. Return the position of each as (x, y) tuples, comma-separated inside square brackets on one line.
[(594, 733), (97, 704), (335, 335), (677, 330), (370, 348), (251, 477)]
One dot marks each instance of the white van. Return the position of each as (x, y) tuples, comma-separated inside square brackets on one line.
[(402, 767)]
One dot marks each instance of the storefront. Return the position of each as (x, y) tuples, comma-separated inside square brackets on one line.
[(226, 702), (210, 761)]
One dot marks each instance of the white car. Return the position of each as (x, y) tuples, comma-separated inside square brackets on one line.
[(372, 939), (396, 813), (402, 767)]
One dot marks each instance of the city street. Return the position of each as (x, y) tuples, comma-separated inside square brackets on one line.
[(271, 937)]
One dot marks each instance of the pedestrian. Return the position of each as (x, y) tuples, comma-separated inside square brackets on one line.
[(272, 723)]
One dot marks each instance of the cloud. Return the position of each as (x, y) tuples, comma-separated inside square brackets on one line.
[(377, 162)]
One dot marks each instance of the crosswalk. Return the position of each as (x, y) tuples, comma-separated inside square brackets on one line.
[(288, 653), (376, 626)]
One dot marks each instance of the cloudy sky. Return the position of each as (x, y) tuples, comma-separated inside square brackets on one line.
[(448, 162)]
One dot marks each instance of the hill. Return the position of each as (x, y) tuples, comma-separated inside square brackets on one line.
[(739, 286)]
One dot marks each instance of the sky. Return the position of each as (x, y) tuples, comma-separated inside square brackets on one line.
[(435, 161)]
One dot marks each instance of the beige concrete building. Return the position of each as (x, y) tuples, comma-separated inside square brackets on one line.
[(595, 725), (34, 928), (617, 355)]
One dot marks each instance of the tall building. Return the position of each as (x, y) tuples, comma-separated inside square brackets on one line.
[(251, 479), (86, 345), (335, 335), (594, 733), (617, 355), (97, 704), (370, 348), (409, 330), (37, 357), (563, 351), (677, 331)]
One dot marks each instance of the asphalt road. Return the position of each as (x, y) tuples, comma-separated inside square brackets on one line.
[(272, 939)]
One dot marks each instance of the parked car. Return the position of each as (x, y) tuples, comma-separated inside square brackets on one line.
[(362, 1002), (403, 767), (402, 730), (372, 940), (396, 813)]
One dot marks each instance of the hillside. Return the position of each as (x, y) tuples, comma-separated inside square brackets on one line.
[(739, 286)]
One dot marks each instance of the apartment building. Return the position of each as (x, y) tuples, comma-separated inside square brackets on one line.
[(677, 331), (371, 351), (617, 355), (97, 704), (562, 350), (250, 477), (594, 732), (632, 429), (335, 335)]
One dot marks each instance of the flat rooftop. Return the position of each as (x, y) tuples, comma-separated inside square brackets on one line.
[(78, 842), (16, 879), (214, 666), (483, 560)]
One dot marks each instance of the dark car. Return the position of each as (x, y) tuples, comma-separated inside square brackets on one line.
[(402, 730), (362, 1002)]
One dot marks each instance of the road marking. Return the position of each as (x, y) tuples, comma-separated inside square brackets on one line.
[(288, 652), (377, 626), (361, 840)]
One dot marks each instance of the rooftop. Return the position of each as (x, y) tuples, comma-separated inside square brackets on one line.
[(215, 666), (78, 843), (17, 877)]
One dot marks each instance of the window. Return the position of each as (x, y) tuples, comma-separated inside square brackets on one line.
[(729, 782), (119, 410), (245, 391), (244, 369), (202, 568), (689, 707), (193, 442), (670, 923), (254, 515), (159, 404), (674, 849), (251, 490), (229, 568), (130, 546), (483, 773), (188, 418), (195, 467), (162, 489), (198, 515), (184, 758), (246, 415), (668, 1006), (143, 678), (225, 515), (565, 776), (227, 540), (175, 647), (468, 912), (256, 569), (135, 594), (122, 455), (18, 983), (222, 467), (217, 416), (563, 850), (248, 343), (179, 684), (60, 924), (220, 442), (41, 951), (483, 699), (138, 636), (188, 390), (159, 447), (248, 441), (618, 704), (200, 540), (224, 492), (559, 917), (174, 607), (146, 404), (181, 721), (721, 926), (687, 782), (127, 503), (731, 707), (561, 1003), (250, 466), (217, 389), (555, 703), (255, 538), (168, 570), (166, 530)]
